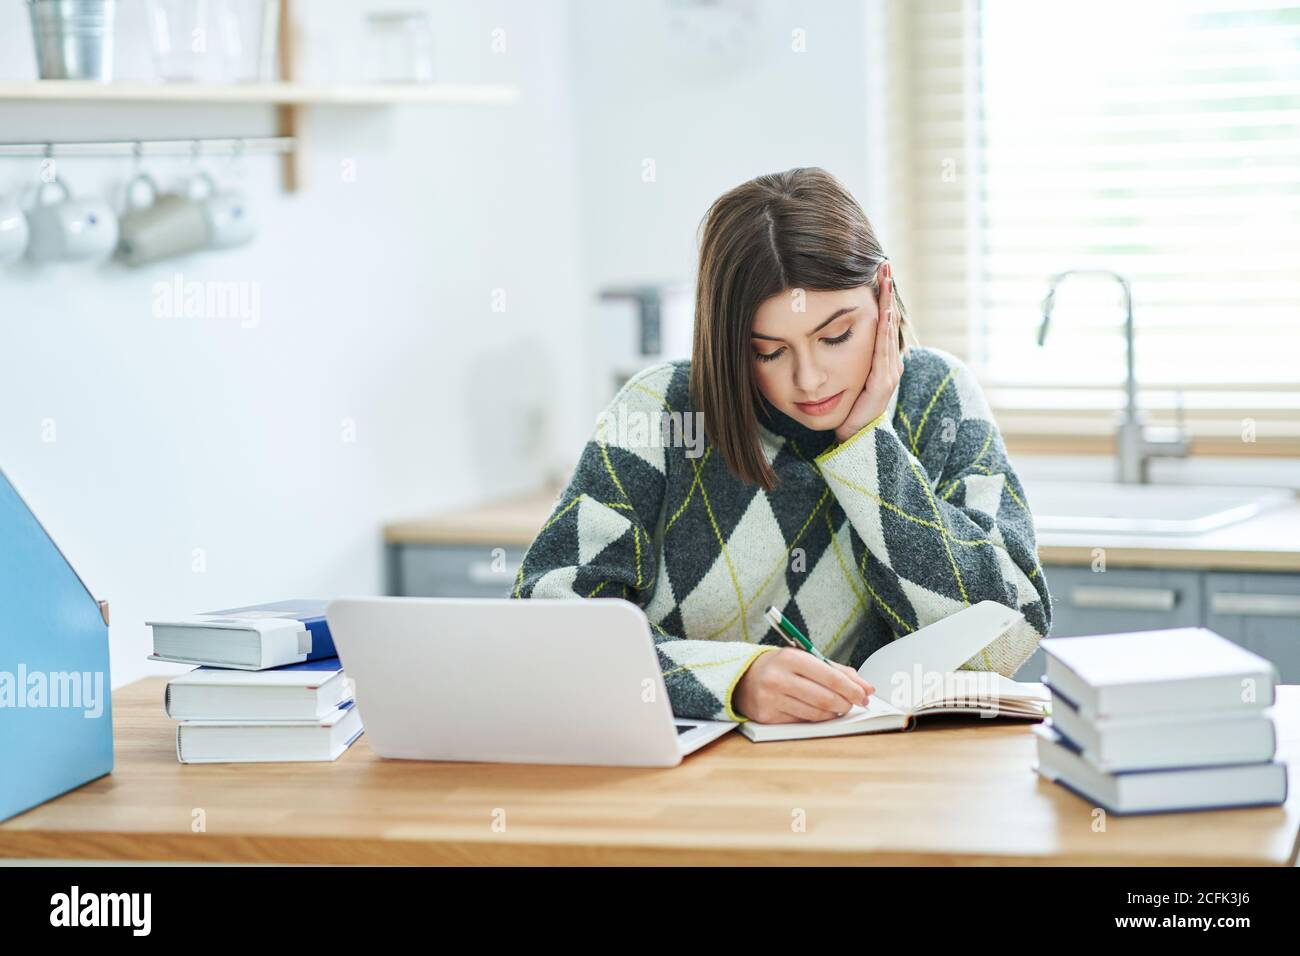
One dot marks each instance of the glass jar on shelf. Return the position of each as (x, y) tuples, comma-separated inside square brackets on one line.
[(214, 41), (399, 47)]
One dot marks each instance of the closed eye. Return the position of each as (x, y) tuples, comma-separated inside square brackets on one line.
[(773, 356)]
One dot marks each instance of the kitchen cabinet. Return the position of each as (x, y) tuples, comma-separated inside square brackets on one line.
[(453, 570), (1259, 611), (1118, 599)]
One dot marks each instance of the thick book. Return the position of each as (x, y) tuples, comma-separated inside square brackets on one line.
[(244, 741), (305, 691), (1184, 669), (247, 638), (1180, 739), (1158, 791), (923, 673)]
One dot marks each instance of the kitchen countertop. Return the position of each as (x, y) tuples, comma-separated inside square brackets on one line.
[(1266, 542)]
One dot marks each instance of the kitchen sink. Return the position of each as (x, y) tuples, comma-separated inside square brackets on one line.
[(1091, 507)]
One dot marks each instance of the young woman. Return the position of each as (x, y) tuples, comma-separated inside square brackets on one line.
[(858, 484)]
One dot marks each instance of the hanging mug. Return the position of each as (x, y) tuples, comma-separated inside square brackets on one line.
[(13, 230), (70, 230), (229, 216), (164, 225)]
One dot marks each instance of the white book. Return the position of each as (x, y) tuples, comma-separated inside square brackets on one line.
[(243, 741), (299, 691), (1154, 741), (248, 638), (920, 673), (1154, 791), (1184, 669)]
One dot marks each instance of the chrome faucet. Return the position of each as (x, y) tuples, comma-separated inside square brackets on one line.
[(1135, 443)]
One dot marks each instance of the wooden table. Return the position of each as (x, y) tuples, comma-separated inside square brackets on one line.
[(958, 790)]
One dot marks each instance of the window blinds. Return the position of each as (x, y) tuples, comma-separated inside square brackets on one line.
[(1157, 139)]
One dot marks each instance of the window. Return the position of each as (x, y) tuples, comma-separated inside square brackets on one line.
[(1154, 138)]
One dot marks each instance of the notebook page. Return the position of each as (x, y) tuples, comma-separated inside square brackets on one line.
[(902, 669), (962, 690)]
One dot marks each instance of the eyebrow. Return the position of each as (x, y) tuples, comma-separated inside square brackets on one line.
[(825, 322)]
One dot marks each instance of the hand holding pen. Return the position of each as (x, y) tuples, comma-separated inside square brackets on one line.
[(797, 683)]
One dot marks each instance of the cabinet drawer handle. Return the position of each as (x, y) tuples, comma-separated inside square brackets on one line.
[(482, 572), (1279, 605), (1126, 599)]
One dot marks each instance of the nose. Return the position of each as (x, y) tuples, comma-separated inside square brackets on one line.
[(808, 375)]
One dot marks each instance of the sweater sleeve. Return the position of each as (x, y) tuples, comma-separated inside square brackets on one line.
[(597, 543), (931, 542)]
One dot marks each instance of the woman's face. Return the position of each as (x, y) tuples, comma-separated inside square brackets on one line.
[(813, 350)]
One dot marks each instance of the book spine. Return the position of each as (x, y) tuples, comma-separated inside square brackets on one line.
[(322, 642)]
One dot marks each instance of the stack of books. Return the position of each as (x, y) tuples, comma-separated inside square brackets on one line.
[(270, 686), (1156, 721)]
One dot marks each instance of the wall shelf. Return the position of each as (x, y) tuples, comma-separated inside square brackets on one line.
[(289, 99), (273, 94), (288, 95)]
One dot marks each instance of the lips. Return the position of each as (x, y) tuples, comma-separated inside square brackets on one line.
[(821, 407)]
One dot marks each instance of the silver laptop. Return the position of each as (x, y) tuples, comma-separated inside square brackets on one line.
[(542, 680)]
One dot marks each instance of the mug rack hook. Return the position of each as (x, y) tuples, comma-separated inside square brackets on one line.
[(49, 166)]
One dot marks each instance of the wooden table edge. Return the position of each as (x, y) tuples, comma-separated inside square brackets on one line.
[(499, 851)]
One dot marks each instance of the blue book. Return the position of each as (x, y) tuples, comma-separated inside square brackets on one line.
[(253, 638), (56, 713)]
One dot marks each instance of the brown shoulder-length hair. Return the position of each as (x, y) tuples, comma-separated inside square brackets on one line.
[(799, 229)]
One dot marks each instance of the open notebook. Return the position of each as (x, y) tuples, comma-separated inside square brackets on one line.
[(918, 674)]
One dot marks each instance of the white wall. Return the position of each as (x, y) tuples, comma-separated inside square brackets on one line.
[(176, 434), (708, 120), (651, 84)]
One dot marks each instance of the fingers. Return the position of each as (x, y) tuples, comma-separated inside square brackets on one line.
[(887, 350), (885, 325), (884, 332), (888, 289), (831, 678), (893, 324), (857, 678), (829, 703), (802, 710), (800, 687)]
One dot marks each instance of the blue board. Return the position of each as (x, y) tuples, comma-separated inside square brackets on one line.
[(56, 714)]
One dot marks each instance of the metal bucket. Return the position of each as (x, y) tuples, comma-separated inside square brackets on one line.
[(74, 38)]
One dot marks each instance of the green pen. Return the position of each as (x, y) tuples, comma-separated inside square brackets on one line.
[(788, 630)]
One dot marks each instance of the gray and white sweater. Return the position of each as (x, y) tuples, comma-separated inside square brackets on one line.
[(915, 517)]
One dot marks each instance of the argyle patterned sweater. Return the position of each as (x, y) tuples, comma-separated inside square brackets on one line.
[(915, 517)]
